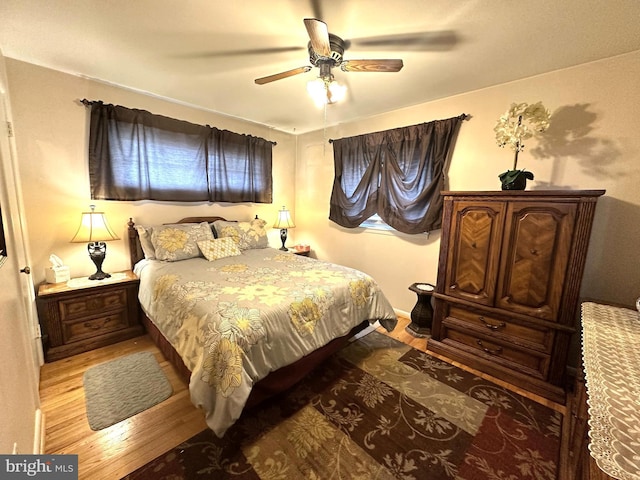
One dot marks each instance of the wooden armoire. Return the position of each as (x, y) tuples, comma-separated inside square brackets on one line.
[(509, 275)]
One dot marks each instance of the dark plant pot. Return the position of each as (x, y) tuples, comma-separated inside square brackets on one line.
[(515, 179)]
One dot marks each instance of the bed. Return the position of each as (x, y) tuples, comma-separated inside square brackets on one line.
[(240, 320)]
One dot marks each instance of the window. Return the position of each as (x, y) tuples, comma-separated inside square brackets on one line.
[(376, 223), (136, 155), (397, 174)]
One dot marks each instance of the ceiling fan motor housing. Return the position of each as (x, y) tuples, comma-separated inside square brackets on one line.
[(337, 51)]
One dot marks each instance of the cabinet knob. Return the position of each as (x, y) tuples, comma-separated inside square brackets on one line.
[(26, 270), (534, 251)]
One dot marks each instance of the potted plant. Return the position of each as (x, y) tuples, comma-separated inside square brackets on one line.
[(520, 122)]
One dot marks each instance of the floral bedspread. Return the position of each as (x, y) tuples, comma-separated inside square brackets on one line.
[(236, 319)]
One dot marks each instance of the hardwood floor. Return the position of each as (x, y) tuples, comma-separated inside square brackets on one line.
[(122, 448)]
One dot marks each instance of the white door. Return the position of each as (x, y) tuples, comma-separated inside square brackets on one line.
[(20, 345)]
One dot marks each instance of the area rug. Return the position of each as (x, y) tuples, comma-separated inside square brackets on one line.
[(378, 409), (123, 387)]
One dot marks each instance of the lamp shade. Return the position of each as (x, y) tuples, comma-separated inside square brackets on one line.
[(284, 220), (94, 228)]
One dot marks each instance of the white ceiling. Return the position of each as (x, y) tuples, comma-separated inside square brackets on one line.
[(195, 51)]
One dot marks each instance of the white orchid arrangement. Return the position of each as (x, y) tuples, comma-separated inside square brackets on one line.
[(520, 122)]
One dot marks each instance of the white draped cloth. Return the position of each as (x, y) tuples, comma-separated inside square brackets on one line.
[(611, 360)]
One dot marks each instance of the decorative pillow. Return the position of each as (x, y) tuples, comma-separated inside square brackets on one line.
[(179, 241), (144, 234), (247, 235), (219, 248)]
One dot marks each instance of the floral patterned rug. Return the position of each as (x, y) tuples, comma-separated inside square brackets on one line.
[(378, 409)]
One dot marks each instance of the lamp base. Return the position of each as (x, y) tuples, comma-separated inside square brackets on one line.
[(99, 275), (283, 237), (97, 252)]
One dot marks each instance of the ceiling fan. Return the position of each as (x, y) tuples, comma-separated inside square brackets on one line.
[(326, 52)]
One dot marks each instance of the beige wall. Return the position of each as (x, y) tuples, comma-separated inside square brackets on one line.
[(593, 143), (51, 129)]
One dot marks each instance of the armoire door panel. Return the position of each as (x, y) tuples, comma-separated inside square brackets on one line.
[(475, 239), (536, 249)]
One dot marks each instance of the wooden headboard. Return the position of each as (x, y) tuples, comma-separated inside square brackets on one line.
[(135, 249)]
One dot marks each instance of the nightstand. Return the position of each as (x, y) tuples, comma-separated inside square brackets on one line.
[(82, 314)]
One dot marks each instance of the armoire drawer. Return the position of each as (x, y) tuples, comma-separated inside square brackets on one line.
[(508, 355), (509, 331)]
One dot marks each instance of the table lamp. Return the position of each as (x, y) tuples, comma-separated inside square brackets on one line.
[(95, 229), (283, 223)]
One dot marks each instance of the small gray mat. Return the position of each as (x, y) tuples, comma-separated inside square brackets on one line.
[(123, 387)]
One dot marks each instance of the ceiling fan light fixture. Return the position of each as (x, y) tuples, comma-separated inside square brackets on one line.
[(336, 92), (326, 90), (326, 52)]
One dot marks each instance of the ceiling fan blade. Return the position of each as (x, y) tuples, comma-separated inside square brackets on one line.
[(424, 41), (280, 76), (247, 52), (317, 9), (380, 65), (319, 35)]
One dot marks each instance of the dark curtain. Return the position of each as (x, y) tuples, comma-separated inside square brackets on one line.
[(137, 155), (397, 174)]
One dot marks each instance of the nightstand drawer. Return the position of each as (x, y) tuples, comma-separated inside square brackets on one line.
[(81, 307), (526, 361), (82, 329)]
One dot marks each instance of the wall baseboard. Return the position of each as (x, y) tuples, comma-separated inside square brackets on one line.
[(39, 433)]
